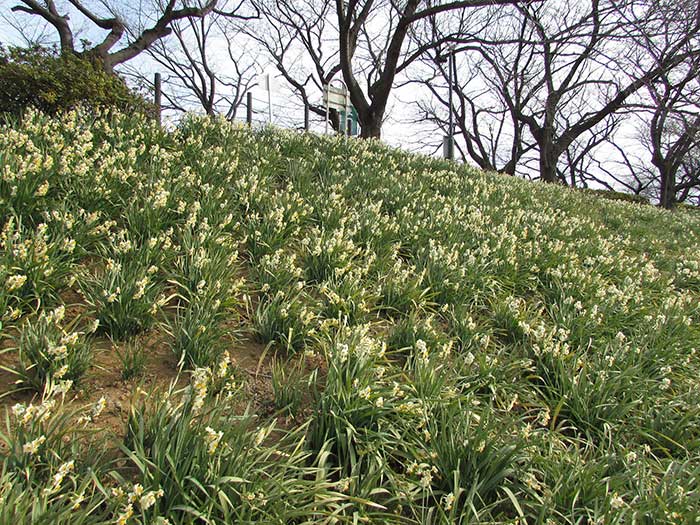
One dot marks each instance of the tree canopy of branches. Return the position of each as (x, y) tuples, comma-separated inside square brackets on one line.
[(559, 77), (373, 44), (123, 41), (673, 128), (581, 79), (488, 131), (299, 38), (198, 73)]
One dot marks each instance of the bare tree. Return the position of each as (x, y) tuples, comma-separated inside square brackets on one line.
[(484, 100), (583, 79), (690, 173), (207, 63), (30, 35), (556, 73), (585, 161), (135, 40), (666, 109), (386, 54), (673, 140), (673, 129), (299, 38), (486, 131)]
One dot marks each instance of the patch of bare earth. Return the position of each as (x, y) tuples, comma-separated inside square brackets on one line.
[(104, 379)]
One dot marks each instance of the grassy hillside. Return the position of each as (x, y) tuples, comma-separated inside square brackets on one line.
[(220, 326)]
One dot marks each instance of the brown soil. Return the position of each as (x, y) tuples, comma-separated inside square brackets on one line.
[(104, 378), (251, 362)]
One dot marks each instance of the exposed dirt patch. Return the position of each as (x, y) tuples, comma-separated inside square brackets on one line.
[(249, 355), (104, 378), (74, 304)]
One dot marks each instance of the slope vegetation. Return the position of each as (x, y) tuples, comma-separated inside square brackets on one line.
[(213, 325)]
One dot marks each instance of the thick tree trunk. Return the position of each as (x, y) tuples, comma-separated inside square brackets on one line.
[(668, 189), (108, 67), (548, 163), (509, 168), (548, 172), (98, 59), (371, 127)]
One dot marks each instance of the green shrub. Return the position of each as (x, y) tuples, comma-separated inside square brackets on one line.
[(38, 77)]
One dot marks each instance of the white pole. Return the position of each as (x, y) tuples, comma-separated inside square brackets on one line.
[(269, 99), (327, 108)]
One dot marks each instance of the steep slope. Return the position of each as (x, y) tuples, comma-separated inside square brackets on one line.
[(414, 341)]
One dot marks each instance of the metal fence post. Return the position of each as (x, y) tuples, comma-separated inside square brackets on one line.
[(306, 117), (249, 108), (158, 98)]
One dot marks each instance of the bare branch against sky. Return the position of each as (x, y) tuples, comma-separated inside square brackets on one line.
[(124, 40)]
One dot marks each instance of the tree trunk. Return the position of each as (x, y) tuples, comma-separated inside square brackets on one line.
[(548, 163), (371, 128), (334, 117), (107, 65), (668, 188), (98, 59), (509, 168)]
